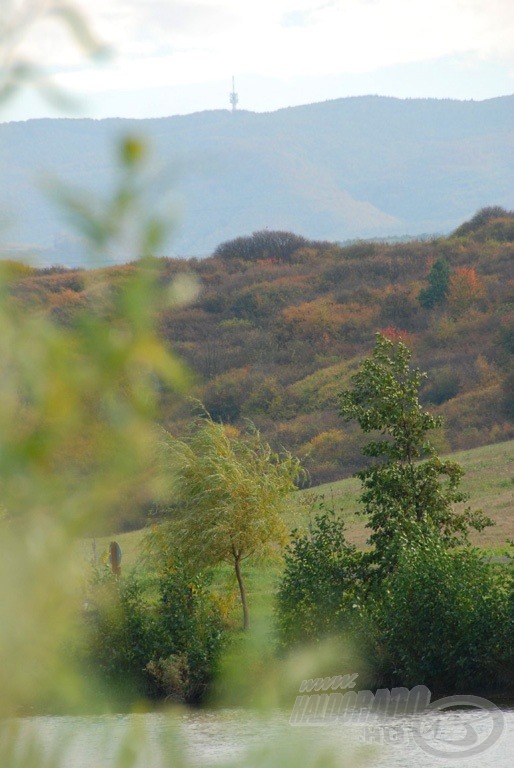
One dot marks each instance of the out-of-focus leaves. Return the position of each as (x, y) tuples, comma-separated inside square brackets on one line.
[(132, 151), (78, 25), (78, 436), (17, 70), (134, 221)]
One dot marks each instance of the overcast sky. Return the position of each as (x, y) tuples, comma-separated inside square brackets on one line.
[(178, 57)]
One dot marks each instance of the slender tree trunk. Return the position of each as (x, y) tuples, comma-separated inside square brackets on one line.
[(242, 590)]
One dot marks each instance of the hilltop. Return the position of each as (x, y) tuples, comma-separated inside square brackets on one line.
[(349, 168)]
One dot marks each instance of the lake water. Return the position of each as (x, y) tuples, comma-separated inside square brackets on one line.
[(230, 737)]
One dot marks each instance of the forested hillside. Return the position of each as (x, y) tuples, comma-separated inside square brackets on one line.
[(280, 324)]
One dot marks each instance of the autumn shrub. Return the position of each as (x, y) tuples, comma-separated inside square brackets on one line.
[(400, 308), (319, 390), (486, 372), (324, 455), (498, 230), (261, 245), (303, 428), (326, 446), (225, 395), (478, 410), (465, 290), (268, 396), (481, 218), (66, 305), (442, 333), (360, 249), (393, 333), (14, 271)]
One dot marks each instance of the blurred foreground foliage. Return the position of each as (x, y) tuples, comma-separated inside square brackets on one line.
[(78, 414), (77, 437), (78, 446)]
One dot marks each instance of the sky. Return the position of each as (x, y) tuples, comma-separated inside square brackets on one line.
[(161, 57)]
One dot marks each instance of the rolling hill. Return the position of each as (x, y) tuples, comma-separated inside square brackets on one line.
[(275, 334), (338, 170)]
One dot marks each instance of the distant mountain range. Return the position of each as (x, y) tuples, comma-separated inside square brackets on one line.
[(350, 168)]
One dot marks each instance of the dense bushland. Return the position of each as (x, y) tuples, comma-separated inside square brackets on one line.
[(279, 325), (322, 583)]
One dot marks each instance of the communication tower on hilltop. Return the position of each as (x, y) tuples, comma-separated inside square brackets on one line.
[(234, 98)]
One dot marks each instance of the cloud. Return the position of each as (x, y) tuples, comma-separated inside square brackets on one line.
[(385, 30), (295, 19), (165, 42)]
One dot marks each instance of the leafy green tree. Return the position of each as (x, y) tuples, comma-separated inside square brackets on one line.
[(159, 634), (408, 487), (232, 490), (438, 285)]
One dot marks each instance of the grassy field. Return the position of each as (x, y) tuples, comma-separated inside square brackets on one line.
[(489, 481)]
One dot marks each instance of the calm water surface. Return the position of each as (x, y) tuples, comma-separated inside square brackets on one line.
[(228, 737)]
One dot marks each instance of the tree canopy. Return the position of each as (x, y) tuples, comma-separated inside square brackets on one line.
[(482, 217), (266, 244), (438, 285), (407, 487), (232, 489)]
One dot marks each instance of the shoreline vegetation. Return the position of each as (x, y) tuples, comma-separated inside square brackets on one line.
[(421, 604)]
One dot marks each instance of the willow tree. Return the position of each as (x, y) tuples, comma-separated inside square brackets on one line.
[(231, 490)]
